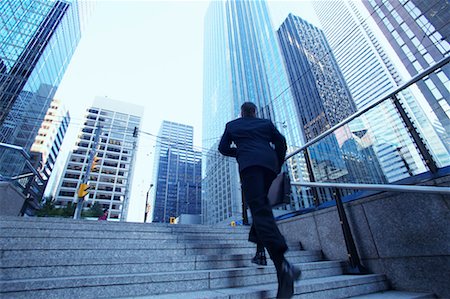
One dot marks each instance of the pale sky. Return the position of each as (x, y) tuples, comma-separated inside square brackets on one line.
[(148, 53)]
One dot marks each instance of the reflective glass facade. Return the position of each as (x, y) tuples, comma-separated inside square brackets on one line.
[(323, 101), (242, 62), (318, 86), (37, 40), (370, 74), (177, 173), (418, 34)]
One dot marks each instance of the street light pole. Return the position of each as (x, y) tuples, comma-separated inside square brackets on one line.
[(82, 193), (147, 205)]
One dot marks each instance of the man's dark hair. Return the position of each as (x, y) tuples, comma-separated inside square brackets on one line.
[(248, 109)]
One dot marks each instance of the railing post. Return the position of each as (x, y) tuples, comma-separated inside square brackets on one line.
[(355, 266), (431, 164), (311, 177)]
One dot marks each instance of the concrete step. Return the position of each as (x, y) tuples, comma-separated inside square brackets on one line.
[(66, 258), (395, 295), (23, 243), (71, 224), (26, 243), (329, 287), (100, 233), (302, 256), (97, 250), (166, 281), (17, 269), (173, 264), (233, 283), (36, 233)]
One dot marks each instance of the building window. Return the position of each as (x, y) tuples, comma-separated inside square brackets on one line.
[(67, 193), (417, 66), (388, 25), (428, 58)]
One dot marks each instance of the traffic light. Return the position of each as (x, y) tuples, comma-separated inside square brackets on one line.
[(172, 220), (83, 190), (95, 162)]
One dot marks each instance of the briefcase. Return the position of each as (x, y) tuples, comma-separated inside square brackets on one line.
[(280, 191)]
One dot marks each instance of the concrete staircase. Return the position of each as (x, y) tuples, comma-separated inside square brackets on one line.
[(63, 258)]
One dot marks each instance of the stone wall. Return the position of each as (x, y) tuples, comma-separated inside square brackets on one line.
[(11, 201), (405, 236)]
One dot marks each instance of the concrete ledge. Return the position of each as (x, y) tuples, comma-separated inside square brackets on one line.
[(11, 200), (404, 236)]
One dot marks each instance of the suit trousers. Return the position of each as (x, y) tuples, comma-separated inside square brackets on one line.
[(256, 181)]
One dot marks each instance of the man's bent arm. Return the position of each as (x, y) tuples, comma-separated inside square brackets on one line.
[(280, 145), (224, 145)]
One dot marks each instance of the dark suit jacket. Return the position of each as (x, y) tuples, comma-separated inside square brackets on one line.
[(252, 137)]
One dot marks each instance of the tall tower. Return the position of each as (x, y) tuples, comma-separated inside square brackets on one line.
[(324, 100), (242, 62), (37, 42), (110, 181), (177, 173), (370, 73), (49, 139), (318, 86), (418, 31)]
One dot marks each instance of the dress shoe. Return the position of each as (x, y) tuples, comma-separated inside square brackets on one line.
[(288, 275), (260, 258)]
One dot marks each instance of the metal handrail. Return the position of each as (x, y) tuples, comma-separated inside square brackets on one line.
[(355, 265), (377, 187), (412, 81), (26, 155)]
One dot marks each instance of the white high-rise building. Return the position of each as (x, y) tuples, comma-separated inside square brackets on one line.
[(110, 180)]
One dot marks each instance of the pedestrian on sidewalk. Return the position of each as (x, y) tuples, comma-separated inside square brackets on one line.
[(104, 216), (259, 163)]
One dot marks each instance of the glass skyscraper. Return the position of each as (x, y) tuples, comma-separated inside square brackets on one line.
[(177, 173), (416, 31), (116, 145), (437, 13), (370, 74), (242, 62), (323, 101), (37, 41), (318, 86)]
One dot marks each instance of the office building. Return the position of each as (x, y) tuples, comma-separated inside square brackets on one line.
[(418, 31), (437, 13), (242, 62), (324, 100), (317, 84), (370, 73), (115, 145), (177, 174), (37, 42), (49, 139)]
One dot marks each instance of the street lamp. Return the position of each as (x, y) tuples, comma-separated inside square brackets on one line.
[(147, 205)]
